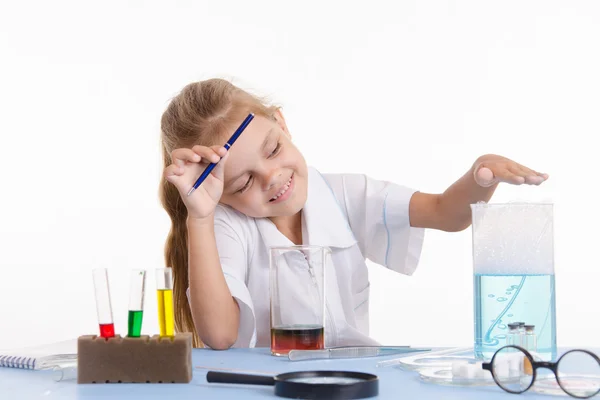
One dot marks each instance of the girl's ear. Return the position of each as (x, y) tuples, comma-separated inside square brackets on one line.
[(280, 120)]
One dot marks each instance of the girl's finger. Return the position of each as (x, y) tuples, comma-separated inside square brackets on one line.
[(220, 150), (206, 153), (530, 176), (172, 172), (516, 170), (219, 168), (181, 156), (534, 177), (506, 175)]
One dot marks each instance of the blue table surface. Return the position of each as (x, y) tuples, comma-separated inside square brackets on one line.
[(395, 383)]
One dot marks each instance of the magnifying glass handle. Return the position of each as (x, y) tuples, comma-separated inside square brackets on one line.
[(244, 379)]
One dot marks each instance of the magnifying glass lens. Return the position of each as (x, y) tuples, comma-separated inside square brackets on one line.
[(330, 380)]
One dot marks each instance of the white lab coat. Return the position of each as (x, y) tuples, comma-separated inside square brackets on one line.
[(357, 217)]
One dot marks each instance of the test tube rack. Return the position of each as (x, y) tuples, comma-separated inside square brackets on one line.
[(144, 359)]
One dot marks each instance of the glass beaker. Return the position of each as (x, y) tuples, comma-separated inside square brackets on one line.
[(513, 274), (297, 297)]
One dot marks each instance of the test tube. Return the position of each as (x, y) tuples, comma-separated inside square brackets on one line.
[(136, 302), (103, 305), (164, 289), (530, 338)]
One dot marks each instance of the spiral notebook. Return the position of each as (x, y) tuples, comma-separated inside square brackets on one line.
[(60, 354)]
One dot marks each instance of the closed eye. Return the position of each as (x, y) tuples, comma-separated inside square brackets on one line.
[(246, 186), (276, 150)]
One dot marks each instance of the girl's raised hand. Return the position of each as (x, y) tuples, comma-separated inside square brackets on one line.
[(491, 169), (187, 165)]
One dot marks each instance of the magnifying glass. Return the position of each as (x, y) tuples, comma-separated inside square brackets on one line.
[(308, 384)]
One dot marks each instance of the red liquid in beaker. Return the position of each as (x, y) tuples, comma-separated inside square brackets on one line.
[(297, 337)]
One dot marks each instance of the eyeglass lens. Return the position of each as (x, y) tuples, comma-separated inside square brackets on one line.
[(579, 374), (512, 370)]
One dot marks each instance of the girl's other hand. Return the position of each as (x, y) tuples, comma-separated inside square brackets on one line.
[(491, 169)]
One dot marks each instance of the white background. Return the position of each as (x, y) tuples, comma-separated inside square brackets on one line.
[(407, 91)]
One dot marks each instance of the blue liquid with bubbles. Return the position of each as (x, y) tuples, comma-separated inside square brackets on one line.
[(502, 299)]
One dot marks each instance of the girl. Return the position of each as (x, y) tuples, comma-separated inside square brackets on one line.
[(263, 194)]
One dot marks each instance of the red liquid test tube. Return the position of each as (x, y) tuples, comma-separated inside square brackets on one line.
[(103, 305)]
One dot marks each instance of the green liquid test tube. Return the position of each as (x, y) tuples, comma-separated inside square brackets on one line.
[(136, 302)]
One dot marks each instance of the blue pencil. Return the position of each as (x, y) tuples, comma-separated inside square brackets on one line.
[(227, 146)]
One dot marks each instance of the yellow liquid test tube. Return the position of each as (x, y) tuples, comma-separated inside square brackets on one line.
[(164, 292)]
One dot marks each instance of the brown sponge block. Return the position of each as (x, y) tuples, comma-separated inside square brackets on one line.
[(134, 360)]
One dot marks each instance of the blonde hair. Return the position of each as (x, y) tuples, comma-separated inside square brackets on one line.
[(202, 113)]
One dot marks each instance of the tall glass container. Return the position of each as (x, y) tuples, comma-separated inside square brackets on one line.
[(513, 274)]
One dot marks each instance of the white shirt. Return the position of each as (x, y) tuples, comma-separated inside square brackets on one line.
[(357, 217)]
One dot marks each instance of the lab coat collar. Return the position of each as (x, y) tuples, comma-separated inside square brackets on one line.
[(323, 220)]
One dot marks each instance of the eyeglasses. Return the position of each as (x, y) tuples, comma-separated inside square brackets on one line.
[(576, 371)]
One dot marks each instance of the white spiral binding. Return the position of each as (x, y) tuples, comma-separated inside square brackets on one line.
[(17, 362)]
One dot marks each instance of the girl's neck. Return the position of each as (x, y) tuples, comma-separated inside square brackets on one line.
[(290, 227)]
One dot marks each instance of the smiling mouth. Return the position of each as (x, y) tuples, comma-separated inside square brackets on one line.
[(283, 189)]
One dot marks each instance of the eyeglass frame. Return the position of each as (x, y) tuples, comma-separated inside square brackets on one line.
[(552, 366)]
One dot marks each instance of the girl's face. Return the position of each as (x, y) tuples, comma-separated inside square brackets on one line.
[(265, 174)]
